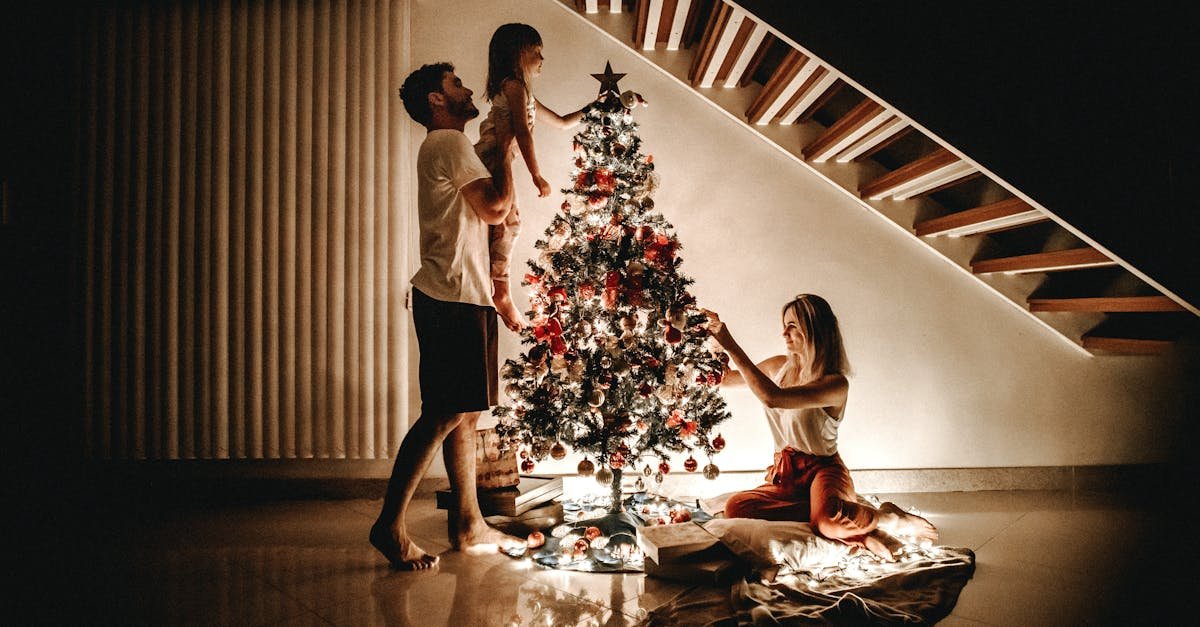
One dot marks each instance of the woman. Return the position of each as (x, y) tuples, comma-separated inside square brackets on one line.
[(804, 394)]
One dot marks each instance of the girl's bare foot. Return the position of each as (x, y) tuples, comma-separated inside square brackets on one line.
[(508, 311), (906, 524), (478, 538), (401, 552)]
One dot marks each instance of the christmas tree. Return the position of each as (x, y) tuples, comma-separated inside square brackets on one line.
[(619, 365)]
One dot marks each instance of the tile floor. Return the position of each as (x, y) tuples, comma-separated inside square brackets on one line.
[(1043, 558)]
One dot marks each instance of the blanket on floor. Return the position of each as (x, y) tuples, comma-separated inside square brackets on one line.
[(814, 584)]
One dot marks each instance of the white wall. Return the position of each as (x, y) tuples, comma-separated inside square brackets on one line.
[(947, 373)]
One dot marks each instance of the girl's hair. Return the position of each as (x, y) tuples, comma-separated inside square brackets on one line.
[(824, 337), (504, 54)]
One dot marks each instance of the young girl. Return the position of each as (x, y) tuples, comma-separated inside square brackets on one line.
[(804, 394), (514, 60)]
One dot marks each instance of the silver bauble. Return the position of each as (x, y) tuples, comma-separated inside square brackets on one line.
[(711, 471), (604, 476)]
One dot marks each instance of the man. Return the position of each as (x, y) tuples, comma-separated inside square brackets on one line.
[(457, 199)]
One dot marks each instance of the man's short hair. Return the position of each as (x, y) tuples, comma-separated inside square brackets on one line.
[(417, 87)]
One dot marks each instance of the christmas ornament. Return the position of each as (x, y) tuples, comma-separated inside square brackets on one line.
[(526, 466), (591, 533), (616, 460), (664, 467), (596, 398), (535, 539), (639, 485), (711, 471), (604, 476), (718, 443), (689, 427), (608, 80), (646, 471), (690, 464), (631, 99), (558, 451), (586, 467), (581, 548)]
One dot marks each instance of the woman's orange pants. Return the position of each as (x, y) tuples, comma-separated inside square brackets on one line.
[(814, 488)]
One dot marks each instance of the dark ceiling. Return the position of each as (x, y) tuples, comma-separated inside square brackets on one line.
[(1086, 108)]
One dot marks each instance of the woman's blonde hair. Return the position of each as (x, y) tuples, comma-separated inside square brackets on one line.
[(824, 336)]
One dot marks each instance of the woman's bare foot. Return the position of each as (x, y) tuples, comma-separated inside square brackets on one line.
[(882, 545), (507, 310), (478, 538), (401, 552), (906, 524)]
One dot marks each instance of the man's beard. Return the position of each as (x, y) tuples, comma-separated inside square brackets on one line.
[(463, 109)]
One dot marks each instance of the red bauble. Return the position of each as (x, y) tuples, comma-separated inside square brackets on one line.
[(645, 390), (591, 533), (597, 200), (587, 290), (718, 442), (581, 547), (605, 181), (675, 419), (672, 335), (527, 466), (691, 464), (616, 460), (535, 539), (612, 280), (689, 427), (609, 300), (586, 467), (584, 180), (557, 345), (664, 467)]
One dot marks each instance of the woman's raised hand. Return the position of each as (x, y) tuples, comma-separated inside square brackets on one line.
[(715, 327)]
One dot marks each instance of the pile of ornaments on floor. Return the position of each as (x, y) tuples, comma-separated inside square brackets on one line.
[(591, 539)]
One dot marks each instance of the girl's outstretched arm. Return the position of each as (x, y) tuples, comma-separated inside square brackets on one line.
[(827, 391), (514, 92), (563, 122)]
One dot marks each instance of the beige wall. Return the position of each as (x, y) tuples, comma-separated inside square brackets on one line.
[(947, 374)]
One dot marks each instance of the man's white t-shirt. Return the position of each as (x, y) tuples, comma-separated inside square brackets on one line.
[(455, 266)]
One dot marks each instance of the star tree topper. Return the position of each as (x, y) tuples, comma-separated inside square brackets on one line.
[(608, 80)]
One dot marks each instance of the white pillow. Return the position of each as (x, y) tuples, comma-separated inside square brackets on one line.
[(767, 543)]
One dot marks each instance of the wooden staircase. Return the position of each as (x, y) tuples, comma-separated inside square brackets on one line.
[(971, 217)]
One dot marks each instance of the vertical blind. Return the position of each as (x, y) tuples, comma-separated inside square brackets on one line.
[(247, 231)]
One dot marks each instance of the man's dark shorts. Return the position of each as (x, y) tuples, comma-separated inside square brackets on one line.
[(458, 355)]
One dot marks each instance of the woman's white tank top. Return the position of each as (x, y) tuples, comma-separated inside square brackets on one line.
[(810, 430)]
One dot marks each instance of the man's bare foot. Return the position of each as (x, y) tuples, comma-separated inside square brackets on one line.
[(508, 311), (478, 538), (906, 524), (401, 552)]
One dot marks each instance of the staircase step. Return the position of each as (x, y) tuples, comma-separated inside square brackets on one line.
[(984, 219), (933, 171), (1105, 304), (1054, 261), (1125, 345), (859, 122)]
